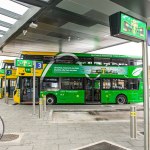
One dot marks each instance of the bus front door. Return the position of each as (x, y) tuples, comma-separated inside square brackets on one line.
[(27, 89), (92, 90)]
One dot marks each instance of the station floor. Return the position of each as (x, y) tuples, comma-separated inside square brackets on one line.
[(64, 133)]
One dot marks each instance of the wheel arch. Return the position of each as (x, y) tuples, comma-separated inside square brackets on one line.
[(124, 96), (52, 95)]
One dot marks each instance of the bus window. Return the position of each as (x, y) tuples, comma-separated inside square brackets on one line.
[(137, 62), (106, 61), (134, 84), (72, 83), (86, 60), (119, 62), (106, 84), (65, 60), (50, 83), (97, 61), (119, 84), (131, 62)]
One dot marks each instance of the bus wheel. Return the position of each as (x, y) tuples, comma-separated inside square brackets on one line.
[(50, 100), (121, 99)]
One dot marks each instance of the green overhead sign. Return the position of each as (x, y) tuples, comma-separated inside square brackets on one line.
[(2, 71), (133, 27), (24, 63)]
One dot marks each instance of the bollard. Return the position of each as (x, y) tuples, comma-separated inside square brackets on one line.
[(40, 108), (44, 103), (133, 122), (6, 98)]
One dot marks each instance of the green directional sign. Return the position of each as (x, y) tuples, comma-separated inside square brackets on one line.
[(2, 71), (28, 70), (24, 63)]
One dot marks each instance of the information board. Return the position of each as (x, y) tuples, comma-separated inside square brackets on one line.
[(24, 63), (127, 27)]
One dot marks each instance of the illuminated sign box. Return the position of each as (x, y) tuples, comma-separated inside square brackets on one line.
[(24, 63), (127, 27)]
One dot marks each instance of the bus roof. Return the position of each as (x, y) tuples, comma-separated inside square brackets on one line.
[(8, 61), (105, 55), (38, 53)]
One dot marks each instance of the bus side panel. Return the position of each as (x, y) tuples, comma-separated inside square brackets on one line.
[(67, 96), (71, 97), (109, 96), (17, 96)]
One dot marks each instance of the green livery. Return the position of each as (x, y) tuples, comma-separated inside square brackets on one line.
[(92, 78)]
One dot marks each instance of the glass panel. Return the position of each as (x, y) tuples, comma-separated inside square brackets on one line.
[(7, 19), (134, 84), (106, 61), (4, 28), (50, 83), (119, 84), (97, 61), (13, 7), (106, 84), (86, 60), (120, 62), (71, 83), (65, 60)]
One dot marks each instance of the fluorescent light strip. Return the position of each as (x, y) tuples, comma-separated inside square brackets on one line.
[(13, 7), (7, 19), (1, 35), (4, 28)]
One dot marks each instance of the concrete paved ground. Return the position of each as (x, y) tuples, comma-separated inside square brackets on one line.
[(42, 134)]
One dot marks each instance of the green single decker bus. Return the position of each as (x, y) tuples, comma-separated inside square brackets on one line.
[(92, 79)]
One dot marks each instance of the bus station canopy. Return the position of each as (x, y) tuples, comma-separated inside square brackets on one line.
[(67, 25)]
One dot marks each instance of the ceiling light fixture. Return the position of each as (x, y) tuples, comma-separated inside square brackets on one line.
[(7, 19), (13, 7), (24, 32), (33, 25), (69, 39), (4, 28)]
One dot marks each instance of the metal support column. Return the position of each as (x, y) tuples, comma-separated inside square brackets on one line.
[(5, 90), (34, 75), (146, 95)]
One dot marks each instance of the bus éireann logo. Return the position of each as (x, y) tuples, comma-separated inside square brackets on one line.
[(137, 71)]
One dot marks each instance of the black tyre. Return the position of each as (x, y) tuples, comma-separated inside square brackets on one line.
[(50, 100), (121, 99)]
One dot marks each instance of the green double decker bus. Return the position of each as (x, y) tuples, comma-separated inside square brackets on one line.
[(79, 78)]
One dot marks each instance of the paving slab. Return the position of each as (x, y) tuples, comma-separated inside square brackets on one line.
[(41, 134)]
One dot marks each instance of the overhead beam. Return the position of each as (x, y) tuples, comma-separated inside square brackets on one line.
[(37, 3), (9, 14), (27, 16)]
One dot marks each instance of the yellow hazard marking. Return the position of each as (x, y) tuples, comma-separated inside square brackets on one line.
[(133, 114)]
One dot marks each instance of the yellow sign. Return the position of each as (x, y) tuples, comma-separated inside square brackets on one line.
[(133, 114)]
